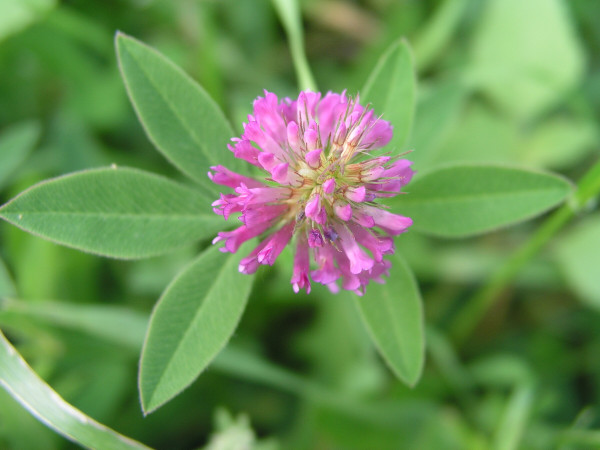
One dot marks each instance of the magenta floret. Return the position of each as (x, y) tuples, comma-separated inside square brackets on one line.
[(320, 188)]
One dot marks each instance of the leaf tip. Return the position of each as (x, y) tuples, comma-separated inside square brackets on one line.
[(150, 404), (145, 403), (121, 39), (404, 42), (146, 409), (120, 35), (413, 379)]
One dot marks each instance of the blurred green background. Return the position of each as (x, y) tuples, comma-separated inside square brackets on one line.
[(507, 81)]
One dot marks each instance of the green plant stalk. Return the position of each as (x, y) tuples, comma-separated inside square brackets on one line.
[(306, 80), (289, 14), (468, 318)]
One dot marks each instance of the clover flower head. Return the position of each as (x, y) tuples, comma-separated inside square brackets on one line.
[(321, 186)]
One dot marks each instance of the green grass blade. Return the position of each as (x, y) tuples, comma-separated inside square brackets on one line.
[(233, 361), (46, 405)]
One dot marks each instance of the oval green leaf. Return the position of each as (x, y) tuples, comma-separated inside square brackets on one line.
[(127, 327), (393, 315), (190, 325), (121, 213), (25, 386), (465, 200), (391, 90), (179, 117)]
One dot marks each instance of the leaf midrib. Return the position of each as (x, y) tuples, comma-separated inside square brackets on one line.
[(166, 216), (195, 138), (414, 198), (220, 273), (395, 327)]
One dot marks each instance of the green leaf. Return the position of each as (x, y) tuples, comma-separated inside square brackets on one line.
[(190, 325), (393, 315), (127, 327), (463, 200), (15, 15), (526, 55), (179, 117), (121, 213), (391, 89), (16, 143), (22, 383), (578, 255)]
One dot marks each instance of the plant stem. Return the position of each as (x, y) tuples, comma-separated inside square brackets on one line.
[(468, 318), (289, 14), (306, 82)]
